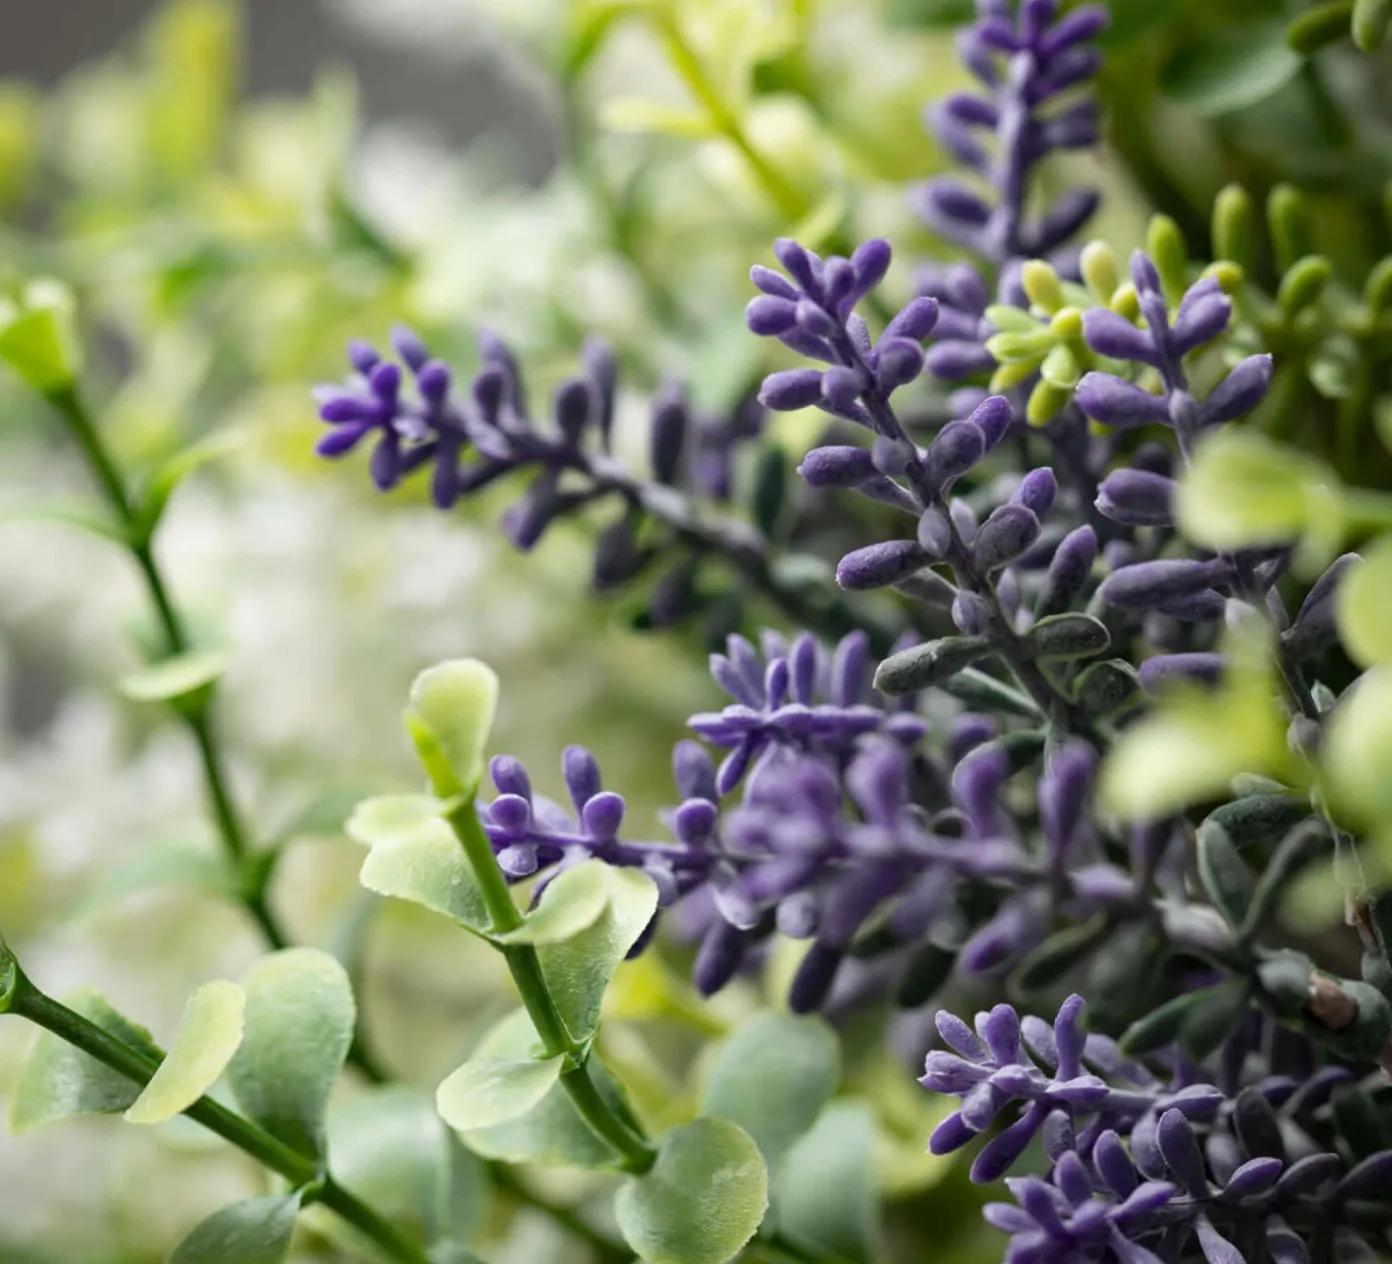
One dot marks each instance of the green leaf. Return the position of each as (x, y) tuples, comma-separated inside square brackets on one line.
[(166, 478), (79, 514), (1371, 19), (1208, 1022), (390, 818), (578, 969), (1303, 284), (1068, 636), (1161, 1026), (1318, 26), (929, 664), (254, 1231), (1107, 688), (1232, 69), (573, 902), (174, 863), (825, 1196), (392, 1150), (1297, 849), (185, 681), (703, 1199), (1227, 880), (299, 1024), (488, 1091), (39, 339), (639, 114), (1364, 609), (552, 1132), (208, 1036), (770, 490), (59, 1082), (1358, 751), (1261, 818), (772, 1077), (1060, 953), (449, 717), (429, 868)]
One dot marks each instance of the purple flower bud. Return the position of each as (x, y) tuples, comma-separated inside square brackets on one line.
[(719, 957), (1112, 335), (799, 264), (1241, 391), (900, 360), (1199, 607), (934, 533), (916, 320), (342, 439), (769, 315), (791, 389), (1062, 792), (581, 774), (955, 449), (837, 466), (1314, 629), (812, 319), (1068, 572), (974, 110), (803, 666), (1083, 23), (871, 261), (849, 676), (509, 776), (879, 565), (1116, 402), (1007, 533), (1036, 491), (1069, 213), (408, 345), (815, 975), (950, 204), (773, 283), (693, 771), (671, 419), (1137, 498), (603, 814), (839, 285), (1143, 274), (992, 417), (971, 613), (1199, 321), (1163, 669), (385, 465), (952, 360), (511, 812), (1144, 585), (362, 356)]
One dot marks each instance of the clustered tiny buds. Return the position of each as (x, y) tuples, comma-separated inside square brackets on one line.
[(917, 802)]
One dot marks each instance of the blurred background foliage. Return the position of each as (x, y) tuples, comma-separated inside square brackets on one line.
[(224, 245)]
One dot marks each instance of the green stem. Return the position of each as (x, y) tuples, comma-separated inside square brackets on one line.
[(525, 966), (140, 1066), (605, 1248), (227, 817)]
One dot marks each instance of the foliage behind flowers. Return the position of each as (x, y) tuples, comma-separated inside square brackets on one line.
[(1050, 684)]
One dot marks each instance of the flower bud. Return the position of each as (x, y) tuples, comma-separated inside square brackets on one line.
[(1007, 533), (879, 565), (791, 389)]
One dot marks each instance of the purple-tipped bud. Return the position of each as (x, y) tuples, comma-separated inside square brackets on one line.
[(947, 202), (916, 320), (342, 439), (1163, 669), (509, 776), (770, 316), (671, 420), (362, 356), (510, 812), (1069, 213), (791, 389), (581, 774), (574, 405), (813, 319), (1199, 321), (971, 613), (1241, 391), (879, 565), (934, 533), (955, 449), (1083, 23), (719, 957), (871, 261), (842, 386), (850, 670), (799, 264), (1145, 585), (992, 417), (408, 345), (773, 283), (385, 465), (1036, 491), (603, 814), (1062, 792), (900, 360), (953, 360), (815, 975), (837, 466), (1143, 273), (1137, 498), (1007, 533), (1068, 572), (1112, 335), (839, 284), (1116, 402), (385, 381)]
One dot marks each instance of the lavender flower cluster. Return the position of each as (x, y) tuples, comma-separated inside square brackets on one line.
[(908, 785)]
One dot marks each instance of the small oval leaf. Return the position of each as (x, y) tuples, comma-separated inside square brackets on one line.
[(449, 717), (208, 1036), (488, 1091), (388, 818), (254, 1231), (573, 902), (704, 1198), (184, 678), (428, 868)]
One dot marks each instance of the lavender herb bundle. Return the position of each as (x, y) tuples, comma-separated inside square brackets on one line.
[(1042, 757)]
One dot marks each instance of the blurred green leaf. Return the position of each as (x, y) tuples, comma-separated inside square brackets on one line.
[(172, 863), (165, 480), (299, 1024), (1230, 69), (449, 718), (704, 1198), (825, 1195), (1364, 608), (208, 1036), (185, 680), (39, 339), (254, 1231)]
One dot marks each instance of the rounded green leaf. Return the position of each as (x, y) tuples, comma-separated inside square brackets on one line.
[(1364, 609), (488, 1091), (173, 863), (703, 1200), (254, 1231), (1231, 69), (165, 480), (825, 1196), (59, 1082), (1358, 752), (429, 868), (391, 817), (772, 1077), (185, 678), (552, 1132), (570, 904), (578, 969), (449, 717), (38, 337), (299, 1024), (208, 1036)]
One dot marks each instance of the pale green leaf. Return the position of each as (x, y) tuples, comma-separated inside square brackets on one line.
[(176, 679), (1358, 752), (579, 969), (703, 1200), (1365, 607), (174, 863), (488, 1091), (772, 1077), (392, 1150), (59, 1082), (428, 868), (571, 903), (638, 114), (825, 1194), (449, 717), (552, 1132), (39, 339), (390, 818), (299, 1025), (208, 1036), (1231, 69), (166, 478), (254, 1231), (79, 514)]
